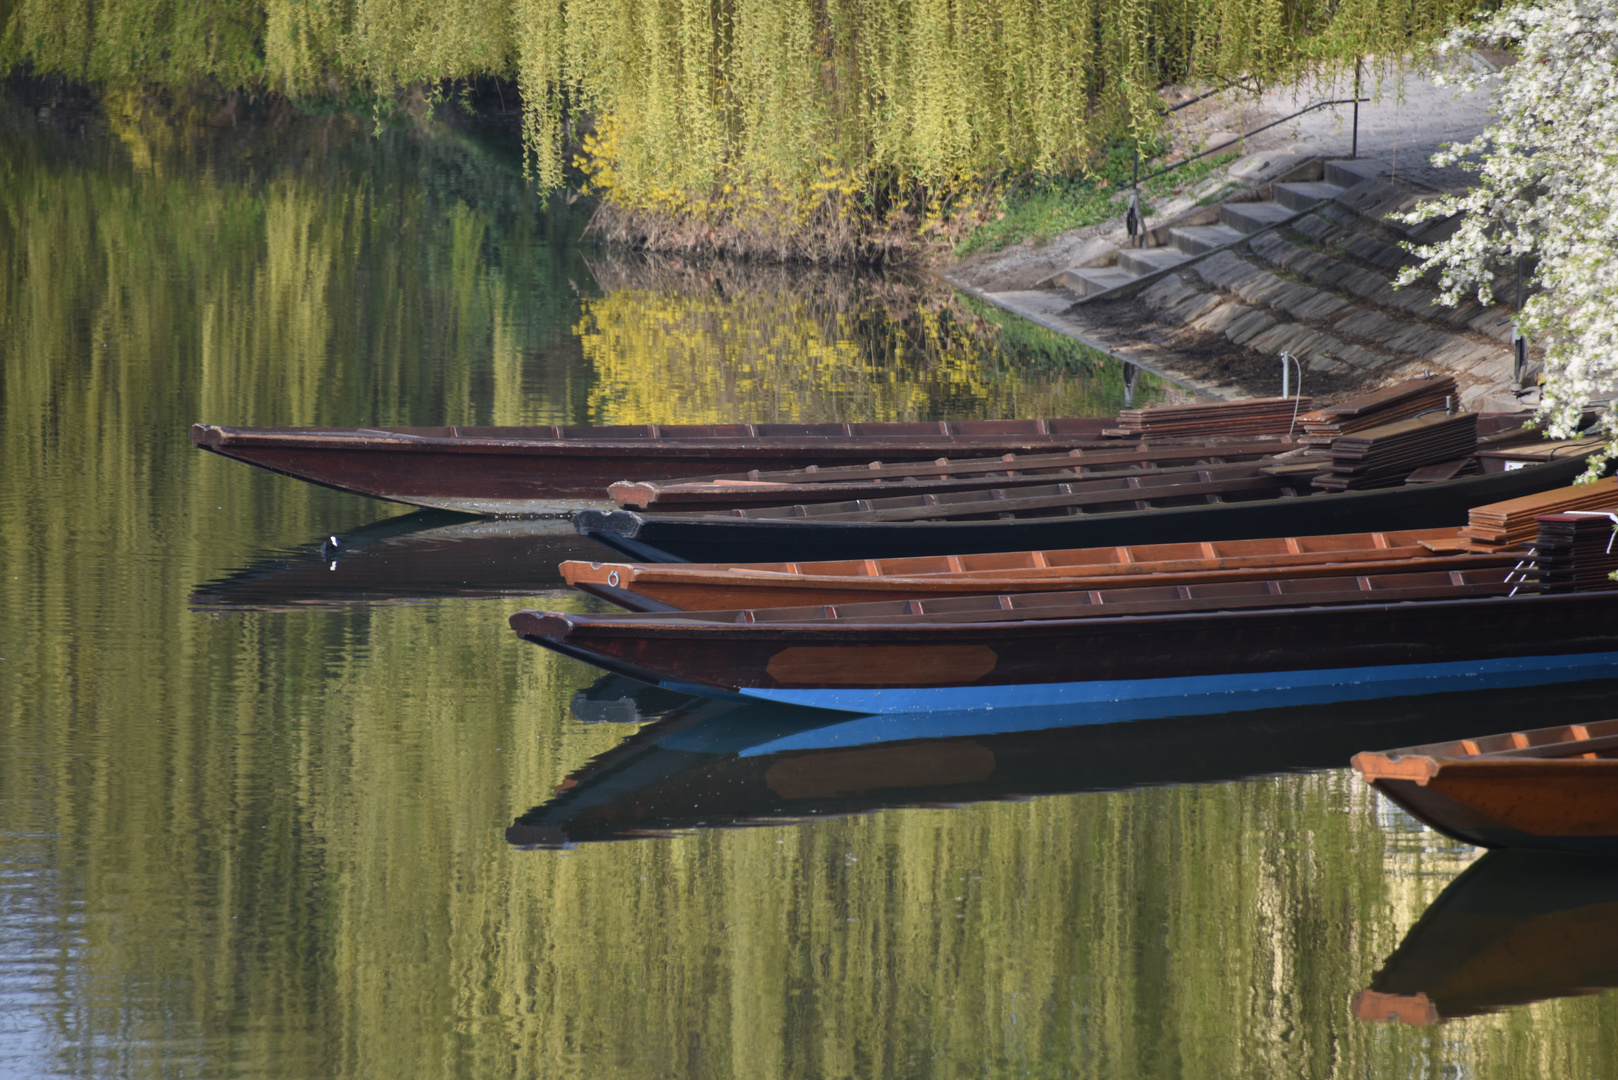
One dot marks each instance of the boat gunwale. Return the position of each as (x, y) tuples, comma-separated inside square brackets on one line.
[(672, 624), (221, 439)]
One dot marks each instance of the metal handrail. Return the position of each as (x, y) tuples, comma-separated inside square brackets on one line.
[(1135, 219)]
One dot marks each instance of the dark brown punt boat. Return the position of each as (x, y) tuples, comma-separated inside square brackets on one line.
[(557, 469), (1215, 647), (1242, 509), (940, 476), (1554, 788), (1515, 927), (688, 587)]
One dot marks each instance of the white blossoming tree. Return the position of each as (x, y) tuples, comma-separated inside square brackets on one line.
[(1548, 191)]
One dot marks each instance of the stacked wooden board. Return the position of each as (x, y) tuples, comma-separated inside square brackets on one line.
[(1397, 402), (1574, 552), (1514, 522), (1263, 416), (1384, 456)]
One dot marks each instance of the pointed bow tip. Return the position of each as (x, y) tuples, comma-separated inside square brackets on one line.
[(613, 522), (206, 435), (541, 624), (1393, 765)]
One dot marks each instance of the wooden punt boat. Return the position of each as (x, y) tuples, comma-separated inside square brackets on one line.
[(720, 764), (941, 476), (687, 587), (1279, 510), (1553, 788), (426, 555), (557, 469), (1208, 647), (1513, 928)]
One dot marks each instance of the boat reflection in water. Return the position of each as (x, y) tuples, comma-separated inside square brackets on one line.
[(424, 555), (1515, 927), (618, 699), (718, 764)]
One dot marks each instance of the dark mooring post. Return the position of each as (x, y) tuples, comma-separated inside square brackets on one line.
[(1354, 148), (1132, 218), (1519, 344)]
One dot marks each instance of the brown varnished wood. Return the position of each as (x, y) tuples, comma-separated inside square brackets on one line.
[(1553, 787), (450, 465)]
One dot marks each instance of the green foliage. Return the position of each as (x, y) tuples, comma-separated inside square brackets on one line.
[(823, 121)]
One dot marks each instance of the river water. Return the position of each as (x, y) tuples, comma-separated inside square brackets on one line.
[(255, 797)]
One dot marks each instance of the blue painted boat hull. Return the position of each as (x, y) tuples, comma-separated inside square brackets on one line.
[(1114, 701)]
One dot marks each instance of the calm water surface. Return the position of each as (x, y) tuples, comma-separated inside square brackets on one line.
[(254, 807)]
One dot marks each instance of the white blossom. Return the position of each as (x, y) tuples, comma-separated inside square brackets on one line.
[(1548, 190)]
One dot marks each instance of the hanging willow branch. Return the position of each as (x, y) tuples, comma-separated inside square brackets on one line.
[(793, 118)]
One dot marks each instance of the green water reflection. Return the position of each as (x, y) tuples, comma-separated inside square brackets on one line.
[(272, 843)]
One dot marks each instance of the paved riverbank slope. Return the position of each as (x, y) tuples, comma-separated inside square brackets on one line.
[(1295, 250)]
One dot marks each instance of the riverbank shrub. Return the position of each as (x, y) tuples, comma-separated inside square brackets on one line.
[(812, 129)]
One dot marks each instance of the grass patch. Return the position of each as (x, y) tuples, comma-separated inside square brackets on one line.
[(1047, 207)]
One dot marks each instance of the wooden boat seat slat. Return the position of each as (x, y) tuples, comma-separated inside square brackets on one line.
[(828, 500), (1568, 748), (1099, 603), (1581, 738), (1154, 599), (1025, 501)]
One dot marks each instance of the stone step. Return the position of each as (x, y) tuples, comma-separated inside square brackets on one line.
[(1201, 239), (1346, 172), (1327, 270), (1090, 280), (1253, 217), (1143, 261), (1302, 196)]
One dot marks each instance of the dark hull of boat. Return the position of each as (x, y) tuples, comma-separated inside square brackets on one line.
[(671, 538), (1516, 927), (555, 470), (1212, 661)]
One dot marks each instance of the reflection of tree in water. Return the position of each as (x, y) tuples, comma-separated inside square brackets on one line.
[(739, 341)]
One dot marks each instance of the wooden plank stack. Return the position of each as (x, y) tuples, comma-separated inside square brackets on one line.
[(1397, 402), (1262, 416), (1514, 523), (1383, 456), (1573, 552)]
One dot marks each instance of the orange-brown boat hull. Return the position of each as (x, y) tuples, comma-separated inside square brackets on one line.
[(1557, 805)]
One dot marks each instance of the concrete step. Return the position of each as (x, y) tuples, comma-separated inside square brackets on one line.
[(1302, 196), (1253, 217), (1346, 172), (1143, 261), (1090, 280), (1201, 239)]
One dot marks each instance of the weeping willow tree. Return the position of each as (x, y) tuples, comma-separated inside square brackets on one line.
[(789, 128)]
